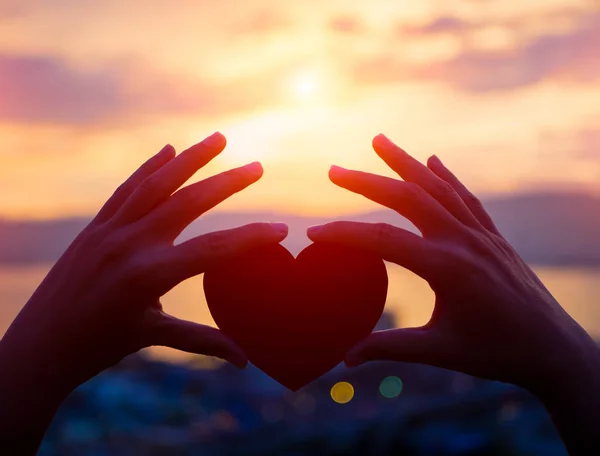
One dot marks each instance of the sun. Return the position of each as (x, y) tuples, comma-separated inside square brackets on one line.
[(304, 85)]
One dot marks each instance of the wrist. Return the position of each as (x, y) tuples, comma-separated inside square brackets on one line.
[(30, 396), (572, 364), (30, 363), (569, 392), (31, 377)]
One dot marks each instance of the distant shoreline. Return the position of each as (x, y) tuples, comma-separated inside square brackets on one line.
[(547, 230)]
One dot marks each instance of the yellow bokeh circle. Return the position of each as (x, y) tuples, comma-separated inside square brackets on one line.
[(342, 392)]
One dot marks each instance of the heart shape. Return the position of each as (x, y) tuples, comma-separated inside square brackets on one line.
[(296, 318)]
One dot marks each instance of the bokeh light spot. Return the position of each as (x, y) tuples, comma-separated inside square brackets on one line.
[(304, 404), (272, 412), (508, 412), (342, 392), (224, 421), (390, 387)]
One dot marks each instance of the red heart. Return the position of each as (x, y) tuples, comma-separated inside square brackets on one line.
[(296, 318)]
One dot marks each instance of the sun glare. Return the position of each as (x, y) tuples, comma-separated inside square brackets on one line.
[(304, 85)]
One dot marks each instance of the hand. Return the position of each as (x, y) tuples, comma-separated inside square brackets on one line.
[(493, 317), (100, 302)]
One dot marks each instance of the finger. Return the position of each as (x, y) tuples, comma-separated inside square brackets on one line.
[(123, 192), (161, 185), (197, 255), (412, 345), (389, 242), (412, 170), (471, 201), (406, 198), (195, 338), (190, 202)]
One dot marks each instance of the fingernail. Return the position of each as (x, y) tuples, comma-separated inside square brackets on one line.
[(214, 140), (280, 228), (435, 159), (337, 170), (314, 230), (166, 151), (383, 141), (254, 169)]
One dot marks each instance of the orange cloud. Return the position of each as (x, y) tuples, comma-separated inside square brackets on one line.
[(261, 21), (346, 24)]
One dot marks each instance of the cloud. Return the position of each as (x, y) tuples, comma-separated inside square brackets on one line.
[(588, 140), (381, 69), (260, 22), (569, 57), (571, 154), (42, 89), (443, 24), (37, 89), (346, 24), (582, 144)]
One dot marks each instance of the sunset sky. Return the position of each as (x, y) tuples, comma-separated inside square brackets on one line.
[(506, 92)]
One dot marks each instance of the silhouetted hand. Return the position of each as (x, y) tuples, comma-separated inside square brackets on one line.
[(100, 302), (493, 317)]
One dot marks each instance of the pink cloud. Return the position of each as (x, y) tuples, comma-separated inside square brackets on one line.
[(47, 90), (38, 89), (571, 57), (443, 24)]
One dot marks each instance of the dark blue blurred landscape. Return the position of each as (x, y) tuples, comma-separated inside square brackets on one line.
[(153, 408)]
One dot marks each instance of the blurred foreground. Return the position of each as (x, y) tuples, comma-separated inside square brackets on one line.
[(147, 407)]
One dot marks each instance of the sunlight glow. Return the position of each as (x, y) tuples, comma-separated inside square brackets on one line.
[(305, 85), (297, 88), (255, 137)]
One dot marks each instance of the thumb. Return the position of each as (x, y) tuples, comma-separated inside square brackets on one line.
[(192, 337), (413, 345)]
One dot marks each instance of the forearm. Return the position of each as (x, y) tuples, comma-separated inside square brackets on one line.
[(27, 411), (31, 391), (572, 397)]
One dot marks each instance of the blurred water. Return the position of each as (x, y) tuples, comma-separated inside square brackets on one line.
[(409, 297)]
